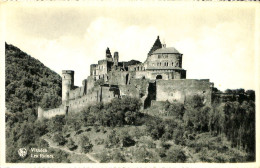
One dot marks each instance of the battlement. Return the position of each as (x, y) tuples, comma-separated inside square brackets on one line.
[(67, 72)]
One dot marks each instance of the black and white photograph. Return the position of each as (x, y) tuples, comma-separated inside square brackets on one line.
[(129, 82)]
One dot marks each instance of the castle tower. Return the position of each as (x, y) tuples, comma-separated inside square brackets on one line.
[(67, 84), (108, 55), (116, 58)]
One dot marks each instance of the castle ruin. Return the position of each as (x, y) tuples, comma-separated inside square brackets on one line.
[(159, 78)]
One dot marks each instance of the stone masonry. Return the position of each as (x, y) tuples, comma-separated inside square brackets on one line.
[(159, 78)]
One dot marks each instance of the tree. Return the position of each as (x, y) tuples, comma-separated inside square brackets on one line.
[(175, 155), (112, 139), (228, 91), (130, 117), (176, 109), (251, 94), (196, 114), (71, 144), (59, 139), (56, 123)]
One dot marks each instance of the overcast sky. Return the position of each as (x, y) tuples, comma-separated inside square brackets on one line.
[(217, 42)]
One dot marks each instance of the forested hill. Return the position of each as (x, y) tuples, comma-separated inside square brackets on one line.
[(28, 83)]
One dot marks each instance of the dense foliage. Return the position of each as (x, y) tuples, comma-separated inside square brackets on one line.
[(212, 131), (28, 84)]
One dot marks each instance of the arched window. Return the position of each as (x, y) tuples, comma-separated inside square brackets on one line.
[(159, 77)]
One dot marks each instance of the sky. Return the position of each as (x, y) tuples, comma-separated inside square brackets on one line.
[(217, 43)]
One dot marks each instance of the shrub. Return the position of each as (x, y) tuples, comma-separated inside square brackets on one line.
[(99, 141), (71, 144), (85, 144), (58, 138), (127, 141), (175, 155), (112, 139), (104, 157), (118, 157)]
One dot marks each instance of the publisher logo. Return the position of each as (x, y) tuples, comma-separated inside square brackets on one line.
[(22, 152)]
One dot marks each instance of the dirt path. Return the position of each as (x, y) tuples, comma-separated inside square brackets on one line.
[(52, 145)]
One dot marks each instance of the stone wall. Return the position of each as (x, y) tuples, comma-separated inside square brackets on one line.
[(74, 94), (50, 113), (118, 77), (137, 67), (137, 88), (80, 103), (181, 89), (90, 83), (164, 61), (96, 94)]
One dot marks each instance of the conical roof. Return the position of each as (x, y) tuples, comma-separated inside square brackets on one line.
[(157, 44)]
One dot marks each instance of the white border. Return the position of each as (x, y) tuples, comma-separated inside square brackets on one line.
[(5, 5)]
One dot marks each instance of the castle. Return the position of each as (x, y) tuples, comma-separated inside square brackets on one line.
[(159, 78)]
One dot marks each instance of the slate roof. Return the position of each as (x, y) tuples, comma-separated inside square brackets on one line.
[(168, 50)]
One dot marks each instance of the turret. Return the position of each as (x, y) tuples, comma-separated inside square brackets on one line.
[(116, 58), (108, 55), (67, 84)]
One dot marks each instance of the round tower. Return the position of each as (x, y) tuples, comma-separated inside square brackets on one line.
[(67, 84)]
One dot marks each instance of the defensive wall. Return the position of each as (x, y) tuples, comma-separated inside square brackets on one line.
[(97, 94), (51, 112), (159, 78), (179, 90)]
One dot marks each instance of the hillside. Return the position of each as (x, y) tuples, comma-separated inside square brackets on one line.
[(28, 83)]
